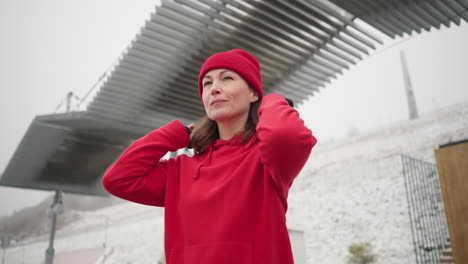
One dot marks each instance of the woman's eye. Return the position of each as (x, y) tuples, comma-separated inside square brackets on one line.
[(228, 78), (206, 84)]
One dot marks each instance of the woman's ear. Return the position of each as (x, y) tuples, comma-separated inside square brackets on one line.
[(253, 96)]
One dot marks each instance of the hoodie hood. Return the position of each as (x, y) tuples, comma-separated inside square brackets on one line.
[(232, 146)]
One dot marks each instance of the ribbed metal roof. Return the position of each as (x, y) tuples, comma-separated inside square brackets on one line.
[(65, 152), (395, 18), (301, 45)]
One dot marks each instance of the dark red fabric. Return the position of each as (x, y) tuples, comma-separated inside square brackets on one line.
[(227, 205)]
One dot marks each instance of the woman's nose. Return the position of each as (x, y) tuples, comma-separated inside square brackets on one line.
[(215, 88)]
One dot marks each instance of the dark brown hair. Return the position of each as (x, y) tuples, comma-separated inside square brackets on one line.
[(207, 130)]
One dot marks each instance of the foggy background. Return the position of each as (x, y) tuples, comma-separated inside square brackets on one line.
[(51, 47)]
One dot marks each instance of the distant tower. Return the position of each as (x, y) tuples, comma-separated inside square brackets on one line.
[(412, 107), (69, 98)]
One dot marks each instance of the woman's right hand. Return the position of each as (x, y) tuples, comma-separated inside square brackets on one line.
[(191, 127)]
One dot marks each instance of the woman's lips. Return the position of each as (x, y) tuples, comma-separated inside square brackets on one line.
[(217, 101)]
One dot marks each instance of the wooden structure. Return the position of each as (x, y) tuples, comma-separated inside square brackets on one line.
[(452, 163)]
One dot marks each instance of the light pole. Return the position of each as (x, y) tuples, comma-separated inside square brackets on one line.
[(5, 240), (3, 255), (55, 209)]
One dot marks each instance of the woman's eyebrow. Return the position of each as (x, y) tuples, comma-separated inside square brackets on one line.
[(222, 72)]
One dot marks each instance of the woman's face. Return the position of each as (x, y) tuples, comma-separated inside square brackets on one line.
[(226, 95)]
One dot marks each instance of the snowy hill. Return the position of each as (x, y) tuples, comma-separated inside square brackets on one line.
[(351, 191), (354, 191)]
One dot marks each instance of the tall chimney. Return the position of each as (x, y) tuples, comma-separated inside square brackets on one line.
[(412, 107)]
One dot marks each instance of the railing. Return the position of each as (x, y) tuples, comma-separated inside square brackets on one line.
[(426, 209)]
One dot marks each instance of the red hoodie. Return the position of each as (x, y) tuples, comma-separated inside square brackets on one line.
[(227, 205)]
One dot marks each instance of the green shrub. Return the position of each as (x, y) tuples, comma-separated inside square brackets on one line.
[(361, 253)]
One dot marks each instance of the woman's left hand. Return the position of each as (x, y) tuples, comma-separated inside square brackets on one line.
[(190, 129)]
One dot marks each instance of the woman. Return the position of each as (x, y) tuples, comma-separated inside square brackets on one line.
[(227, 203)]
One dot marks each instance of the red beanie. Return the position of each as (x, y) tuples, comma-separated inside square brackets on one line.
[(237, 60)]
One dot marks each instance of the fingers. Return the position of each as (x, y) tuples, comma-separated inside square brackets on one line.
[(290, 102), (190, 128)]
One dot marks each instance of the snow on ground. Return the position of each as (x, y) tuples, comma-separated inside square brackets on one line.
[(363, 201), (350, 191), (353, 190), (133, 232)]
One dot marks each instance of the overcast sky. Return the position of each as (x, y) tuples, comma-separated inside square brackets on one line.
[(51, 47)]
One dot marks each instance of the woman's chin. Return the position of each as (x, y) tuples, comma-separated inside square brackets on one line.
[(218, 115)]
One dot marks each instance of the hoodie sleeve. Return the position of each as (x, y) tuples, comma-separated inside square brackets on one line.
[(138, 175), (285, 142)]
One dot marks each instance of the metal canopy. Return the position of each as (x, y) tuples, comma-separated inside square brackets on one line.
[(301, 45), (65, 154), (394, 18)]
